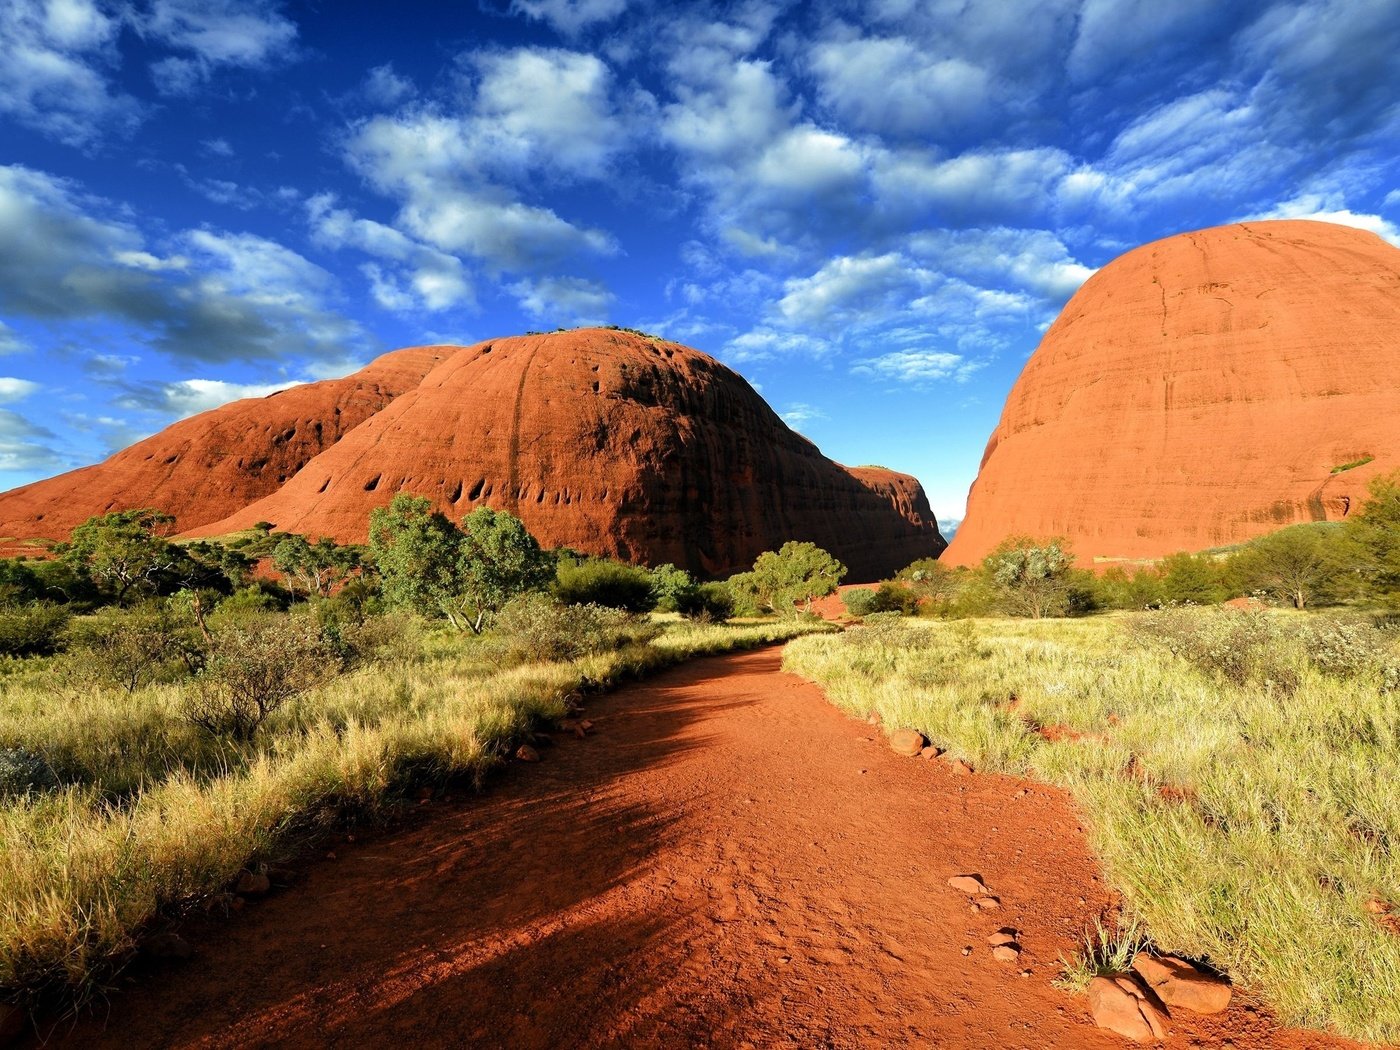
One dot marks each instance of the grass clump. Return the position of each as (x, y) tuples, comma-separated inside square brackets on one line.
[(1236, 773), (1102, 952)]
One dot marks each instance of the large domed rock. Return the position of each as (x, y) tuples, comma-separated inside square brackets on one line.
[(610, 443), (210, 465), (600, 440), (1200, 391)]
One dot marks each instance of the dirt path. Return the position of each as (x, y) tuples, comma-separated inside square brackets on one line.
[(728, 861)]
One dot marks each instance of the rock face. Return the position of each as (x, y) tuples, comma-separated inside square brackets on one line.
[(604, 441), (206, 467), (1200, 391)]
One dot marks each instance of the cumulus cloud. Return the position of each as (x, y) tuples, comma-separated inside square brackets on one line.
[(55, 66), (205, 295), (26, 446), (575, 300), (997, 184), (570, 17), (852, 287), (383, 87), (1331, 209), (188, 397), (1034, 260), (210, 35), (12, 389), (918, 367)]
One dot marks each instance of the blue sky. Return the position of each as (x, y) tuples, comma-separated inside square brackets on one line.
[(871, 210)]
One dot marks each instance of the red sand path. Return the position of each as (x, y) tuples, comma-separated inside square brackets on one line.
[(727, 861)]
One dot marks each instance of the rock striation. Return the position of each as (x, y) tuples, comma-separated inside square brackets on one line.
[(605, 441), (1199, 391), (213, 464)]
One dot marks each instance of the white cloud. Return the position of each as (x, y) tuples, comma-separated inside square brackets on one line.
[(892, 85), (851, 287), (25, 446), (54, 67), (764, 342), (1115, 32), (10, 343), (570, 16), (217, 147), (799, 415), (384, 87), (1035, 260), (214, 34), (918, 367), (211, 296), (564, 299), (1330, 209), (187, 397), (12, 389), (980, 184)]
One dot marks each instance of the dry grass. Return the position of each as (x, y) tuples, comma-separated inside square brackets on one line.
[(156, 815), (1248, 818)]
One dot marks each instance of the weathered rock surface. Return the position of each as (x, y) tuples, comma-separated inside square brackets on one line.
[(1181, 985), (610, 443), (210, 465), (1199, 391), (907, 742), (1121, 1004)]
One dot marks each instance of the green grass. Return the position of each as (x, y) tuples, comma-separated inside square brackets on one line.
[(157, 815), (1353, 464), (1245, 825)]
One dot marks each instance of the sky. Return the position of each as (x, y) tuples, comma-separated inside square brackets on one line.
[(870, 210)]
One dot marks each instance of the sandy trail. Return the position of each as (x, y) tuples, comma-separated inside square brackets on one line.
[(727, 861)]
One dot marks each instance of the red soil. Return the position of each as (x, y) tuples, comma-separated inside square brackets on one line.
[(1197, 392), (727, 861)]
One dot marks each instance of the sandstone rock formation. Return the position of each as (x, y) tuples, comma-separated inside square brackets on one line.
[(600, 440), (1200, 391), (206, 467)]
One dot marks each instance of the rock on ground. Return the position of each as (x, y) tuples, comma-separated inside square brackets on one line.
[(1180, 984), (1121, 1004)]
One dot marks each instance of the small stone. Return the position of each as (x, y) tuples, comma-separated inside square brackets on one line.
[(1121, 1005), (972, 885), (907, 742), (167, 946), (330, 855), (579, 733), (967, 949), (987, 903), (1026, 973), (874, 718), (959, 768), (586, 725), (1006, 953), (526, 753), (929, 753), (1005, 935), (1180, 984), (252, 884)]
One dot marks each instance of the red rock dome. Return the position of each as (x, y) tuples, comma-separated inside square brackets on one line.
[(1199, 391), (611, 443), (210, 465), (605, 441)]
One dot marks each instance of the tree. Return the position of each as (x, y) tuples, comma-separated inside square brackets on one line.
[(931, 581), (670, 587), (796, 573), (417, 551), (1032, 578), (498, 560), (317, 568), (1191, 578), (1298, 564), (467, 574), (123, 552), (1374, 534)]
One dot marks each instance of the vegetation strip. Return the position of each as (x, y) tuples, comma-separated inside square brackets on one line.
[(1236, 771)]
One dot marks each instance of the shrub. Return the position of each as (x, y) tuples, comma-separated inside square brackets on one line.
[(859, 602), (536, 628), (23, 772), (254, 668), (1031, 578), (599, 581), (896, 598), (1342, 649), (150, 643), (670, 586), (1239, 648), (33, 630), (706, 603), (1194, 579)]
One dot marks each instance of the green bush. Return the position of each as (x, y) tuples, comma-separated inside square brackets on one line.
[(859, 602), (154, 642), (33, 630), (611, 584), (670, 587), (535, 628), (707, 603), (23, 772)]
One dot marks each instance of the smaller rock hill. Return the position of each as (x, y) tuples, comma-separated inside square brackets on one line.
[(605, 441)]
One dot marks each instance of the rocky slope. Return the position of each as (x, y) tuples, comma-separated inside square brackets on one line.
[(600, 440), (1199, 391), (206, 467)]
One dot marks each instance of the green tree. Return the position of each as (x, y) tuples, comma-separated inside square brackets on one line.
[(497, 560), (1194, 578), (795, 574), (670, 587), (602, 581), (417, 551), (316, 568), (1031, 578), (124, 552), (1373, 534), (1301, 564)]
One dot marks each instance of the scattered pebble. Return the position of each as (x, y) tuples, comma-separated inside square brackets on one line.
[(972, 885), (526, 753), (929, 753), (960, 768), (1005, 935), (967, 949), (987, 903)]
